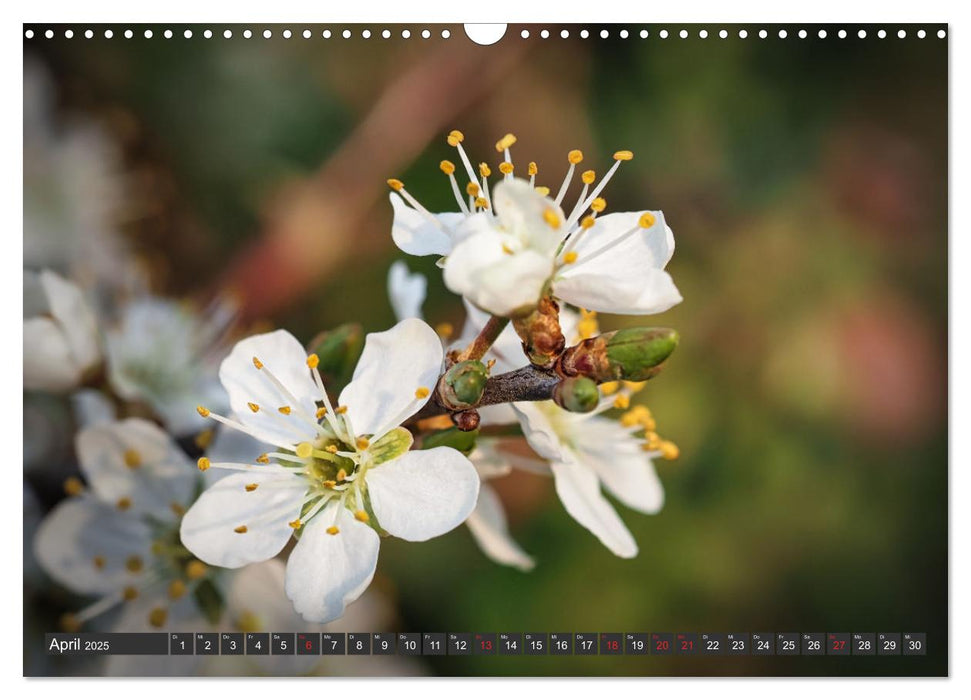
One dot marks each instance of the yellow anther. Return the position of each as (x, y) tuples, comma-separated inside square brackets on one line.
[(570, 258), (455, 137), (652, 440), (361, 516), (330, 483), (70, 622), (285, 410), (587, 313), (624, 155), (647, 220), (622, 401), (203, 463), (251, 487), (472, 189), (321, 412), (609, 388), (177, 589), (203, 411), (73, 486), (490, 364), (598, 205), (254, 407), (505, 142), (157, 617), (484, 170), (341, 410), (134, 564), (177, 508), (241, 530), (630, 419), (263, 459), (362, 443), (506, 168), (575, 156), (332, 449), (313, 360), (444, 330), (635, 387), (669, 450), (447, 166), (481, 203), (124, 503), (133, 460), (588, 222), (422, 392), (333, 530), (552, 218), (543, 191), (532, 168), (295, 524), (129, 593), (195, 570), (257, 363), (99, 562), (341, 474), (204, 439), (587, 328), (396, 185), (506, 249), (588, 177), (304, 450)]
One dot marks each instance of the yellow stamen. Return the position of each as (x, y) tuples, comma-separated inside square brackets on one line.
[(341, 410), (124, 503), (396, 185), (622, 401), (544, 191), (588, 177), (361, 516), (624, 155), (422, 392), (598, 205), (570, 258), (285, 410), (241, 530), (73, 486), (304, 450), (253, 407), (313, 360), (203, 411), (295, 524), (177, 589), (484, 170), (129, 593), (321, 412), (635, 387), (532, 168), (481, 203), (157, 617), (203, 463), (551, 218), (251, 487), (588, 222), (204, 439), (472, 189), (99, 562), (263, 459), (362, 443), (444, 330), (669, 450), (505, 142), (133, 460), (575, 156), (341, 474), (195, 570), (455, 137), (330, 483), (447, 166), (333, 530), (257, 363), (647, 220), (506, 168), (506, 249), (332, 449), (134, 564), (608, 388)]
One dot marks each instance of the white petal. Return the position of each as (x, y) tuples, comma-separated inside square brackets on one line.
[(406, 291), (286, 358), (75, 318), (91, 407), (488, 461), (579, 491), (80, 529), (423, 493), (416, 235), (326, 572), (488, 526), (393, 365), (623, 467), (520, 209), (507, 351), (542, 422), (652, 247), (208, 528), (49, 364), (163, 476)]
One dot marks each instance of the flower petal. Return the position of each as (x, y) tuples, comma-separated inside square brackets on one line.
[(326, 572), (579, 491), (542, 422), (392, 367), (406, 291), (136, 460), (284, 356), (75, 317), (416, 235), (48, 362), (487, 523), (209, 527), (521, 210), (84, 544), (423, 493)]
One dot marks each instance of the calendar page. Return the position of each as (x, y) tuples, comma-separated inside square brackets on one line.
[(380, 349)]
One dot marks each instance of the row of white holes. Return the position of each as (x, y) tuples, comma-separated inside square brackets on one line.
[(445, 34)]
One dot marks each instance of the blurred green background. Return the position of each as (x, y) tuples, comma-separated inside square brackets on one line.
[(806, 184)]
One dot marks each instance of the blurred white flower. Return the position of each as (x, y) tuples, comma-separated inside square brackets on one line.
[(61, 343), (406, 290), (506, 250), (165, 354), (338, 476)]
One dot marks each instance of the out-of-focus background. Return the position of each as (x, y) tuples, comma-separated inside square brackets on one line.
[(806, 184)]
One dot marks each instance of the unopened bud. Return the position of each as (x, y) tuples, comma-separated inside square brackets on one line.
[(463, 384), (466, 421), (632, 354), (540, 332), (577, 394)]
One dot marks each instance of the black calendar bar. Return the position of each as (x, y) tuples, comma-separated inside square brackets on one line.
[(697, 644)]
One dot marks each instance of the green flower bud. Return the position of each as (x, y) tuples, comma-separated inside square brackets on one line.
[(577, 394), (463, 384), (632, 354), (338, 351)]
